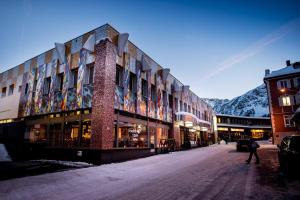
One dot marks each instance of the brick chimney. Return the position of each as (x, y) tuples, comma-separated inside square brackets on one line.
[(288, 63)]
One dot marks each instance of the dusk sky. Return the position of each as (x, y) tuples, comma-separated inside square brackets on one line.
[(220, 48)]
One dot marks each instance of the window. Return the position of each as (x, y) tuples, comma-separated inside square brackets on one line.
[(132, 82), (180, 105), (153, 93), (283, 84), (20, 88), (144, 88), (3, 94), (47, 82), (59, 82), (176, 104), (189, 109), (170, 101), (286, 101), (26, 89), (287, 121), (164, 98), (34, 85), (89, 75), (74, 77), (185, 107), (193, 109), (297, 82), (119, 76), (11, 89)]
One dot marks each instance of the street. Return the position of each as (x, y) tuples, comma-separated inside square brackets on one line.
[(214, 172)]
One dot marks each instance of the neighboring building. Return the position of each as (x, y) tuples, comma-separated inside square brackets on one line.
[(284, 99), (233, 128), (100, 93)]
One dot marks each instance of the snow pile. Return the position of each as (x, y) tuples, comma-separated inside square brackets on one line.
[(65, 163), (253, 103)]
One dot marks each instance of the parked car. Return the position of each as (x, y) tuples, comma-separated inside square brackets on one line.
[(289, 155), (242, 145)]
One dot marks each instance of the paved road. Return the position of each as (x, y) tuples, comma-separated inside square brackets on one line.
[(215, 172)]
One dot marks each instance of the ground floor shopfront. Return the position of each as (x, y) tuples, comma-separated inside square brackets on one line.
[(69, 136), (233, 134)]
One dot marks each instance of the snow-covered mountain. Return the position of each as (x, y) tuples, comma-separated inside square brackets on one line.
[(252, 103)]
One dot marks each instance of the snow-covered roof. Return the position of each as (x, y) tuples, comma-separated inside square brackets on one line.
[(284, 71)]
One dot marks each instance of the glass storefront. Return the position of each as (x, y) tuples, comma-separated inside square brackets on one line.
[(132, 135), (86, 133), (36, 133), (71, 134)]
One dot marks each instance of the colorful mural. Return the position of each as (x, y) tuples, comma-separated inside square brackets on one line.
[(41, 72), (81, 72), (28, 96), (65, 85), (53, 85), (159, 93), (87, 96), (119, 98)]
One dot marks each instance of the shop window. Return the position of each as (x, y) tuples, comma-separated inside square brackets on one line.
[(132, 135), (144, 88), (287, 121), (3, 94), (132, 82), (47, 83), (55, 134), (162, 135), (153, 93), (71, 134), (59, 82), (36, 133), (119, 76), (86, 134), (11, 89)]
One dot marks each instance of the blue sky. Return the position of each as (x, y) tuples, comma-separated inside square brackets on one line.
[(220, 48)]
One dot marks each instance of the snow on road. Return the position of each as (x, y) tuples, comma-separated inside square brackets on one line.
[(214, 172)]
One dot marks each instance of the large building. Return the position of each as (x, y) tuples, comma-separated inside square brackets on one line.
[(233, 128), (284, 99), (99, 95)]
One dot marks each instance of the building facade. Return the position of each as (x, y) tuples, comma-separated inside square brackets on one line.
[(283, 93), (101, 92), (233, 128)]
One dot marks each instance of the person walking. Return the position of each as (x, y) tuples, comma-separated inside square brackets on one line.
[(253, 146)]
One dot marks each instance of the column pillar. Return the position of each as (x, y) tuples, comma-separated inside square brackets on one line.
[(102, 123)]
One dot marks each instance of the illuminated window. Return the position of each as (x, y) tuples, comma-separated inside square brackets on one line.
[(286, 101)]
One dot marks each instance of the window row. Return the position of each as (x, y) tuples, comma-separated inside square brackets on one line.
[(288, 83), (73, 79), (10, 90)]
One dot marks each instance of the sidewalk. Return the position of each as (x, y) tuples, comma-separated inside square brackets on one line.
[(269, 183)]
